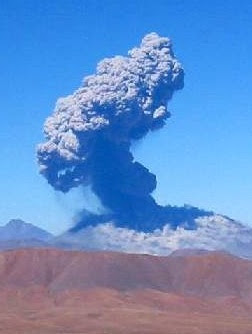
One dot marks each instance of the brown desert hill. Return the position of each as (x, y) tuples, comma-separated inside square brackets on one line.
[(54, 291), (212, 274)]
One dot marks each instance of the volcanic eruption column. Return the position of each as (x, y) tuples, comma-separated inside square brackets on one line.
[(89, 134)]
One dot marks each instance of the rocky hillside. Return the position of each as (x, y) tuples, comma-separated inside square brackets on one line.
[(55, 291)]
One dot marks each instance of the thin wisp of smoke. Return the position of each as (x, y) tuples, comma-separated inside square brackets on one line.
[(89, 135)]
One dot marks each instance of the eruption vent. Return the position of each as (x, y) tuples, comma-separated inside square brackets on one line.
[(89, 134)]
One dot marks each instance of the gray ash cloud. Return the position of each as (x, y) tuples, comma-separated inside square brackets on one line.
[(89, 135)]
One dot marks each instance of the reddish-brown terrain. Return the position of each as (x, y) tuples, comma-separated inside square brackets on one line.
[(55, 291)]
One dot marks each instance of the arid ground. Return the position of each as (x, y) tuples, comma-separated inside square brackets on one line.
[(54, 291)]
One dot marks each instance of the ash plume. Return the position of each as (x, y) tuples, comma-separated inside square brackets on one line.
[(89, 135)]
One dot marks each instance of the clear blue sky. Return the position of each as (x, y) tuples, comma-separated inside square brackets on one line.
[(202, 157)]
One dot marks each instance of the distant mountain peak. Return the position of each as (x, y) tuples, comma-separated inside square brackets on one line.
[(17, 223), (17, 229)]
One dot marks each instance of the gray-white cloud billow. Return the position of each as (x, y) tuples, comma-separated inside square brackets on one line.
[(212, 233), (89, 135)]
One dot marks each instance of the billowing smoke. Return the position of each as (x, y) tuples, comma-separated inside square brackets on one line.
[(89, 135), (214, 232)]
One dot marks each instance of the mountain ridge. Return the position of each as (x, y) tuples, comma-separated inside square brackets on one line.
[(122, 272), (212, 232), (17, 229), (55, 291)]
